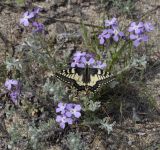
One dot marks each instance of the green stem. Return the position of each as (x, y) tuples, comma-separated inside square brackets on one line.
[(116, 56)]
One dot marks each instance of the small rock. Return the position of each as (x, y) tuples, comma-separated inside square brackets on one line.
[(86, 4), (59, 2)]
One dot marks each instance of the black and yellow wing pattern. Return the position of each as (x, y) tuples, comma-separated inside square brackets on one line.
[(85, 78)]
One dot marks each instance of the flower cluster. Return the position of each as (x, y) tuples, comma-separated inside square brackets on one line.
[(68, 113), (112, 31), (29, 17), (137, 32), (80, 59), (13, 86)]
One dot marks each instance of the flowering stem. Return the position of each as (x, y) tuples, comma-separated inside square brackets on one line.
[(116, 56)]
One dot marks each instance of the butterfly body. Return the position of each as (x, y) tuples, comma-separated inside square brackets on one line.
[(85, 78)]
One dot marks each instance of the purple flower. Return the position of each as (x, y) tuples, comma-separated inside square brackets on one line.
[(100, 65), (14, 90), (74, 110), (62, 120), (137, 28), (69, 107), (61, 108), (148, 27), (137, 39), (14, 96), (81, 59), (74, 64), (106, 34), (77, 64), (69, 112), (117, 34), (138, 35), (39, 27), (26, 17), (79, 54), (10, 83), (112, 22), (90, 61), (76, 59)]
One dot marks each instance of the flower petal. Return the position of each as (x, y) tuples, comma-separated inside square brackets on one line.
[(80, 65), (68, 114), (26, 22), (91, 61), (132, 36), (58, 118), (133, 24), (69, 121), (77, 114), (78, 107), (136, 43), (140, 24), (101, 40), (121, 34), (62, 125), (115, 38), (83, 60)]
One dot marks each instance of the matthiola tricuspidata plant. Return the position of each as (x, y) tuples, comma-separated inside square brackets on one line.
[(68, 113), (112, 31), (138, 32), (80, 59), (36, 59), (29, 17), (13, 87), (119, 44)]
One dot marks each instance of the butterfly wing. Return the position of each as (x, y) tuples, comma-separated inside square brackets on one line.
[(92, 80), (98, 78), (72, 76)]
